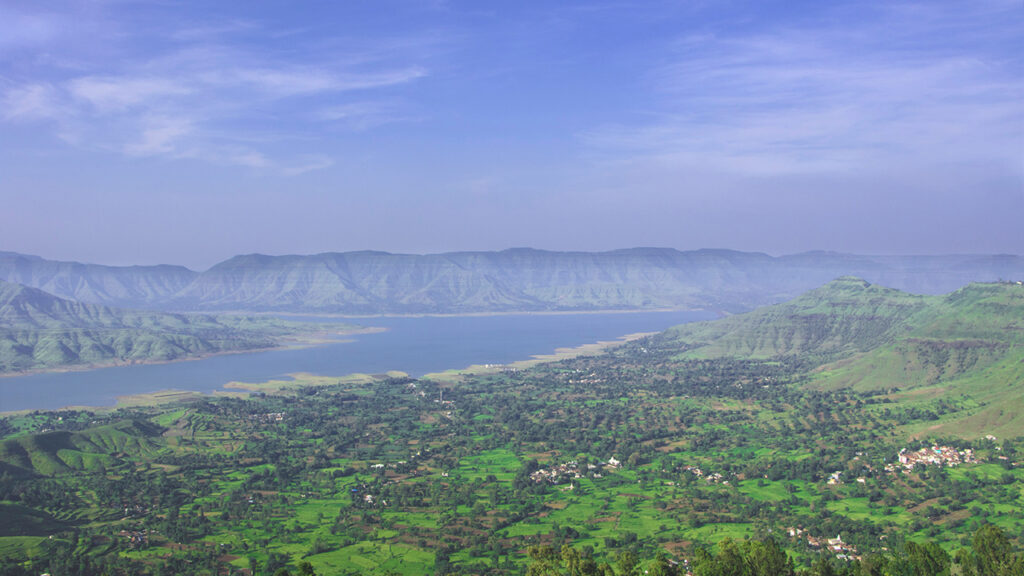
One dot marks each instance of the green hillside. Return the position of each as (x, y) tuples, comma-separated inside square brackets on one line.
[(964, 348), (41, 331), (844, 317), (94, 448)]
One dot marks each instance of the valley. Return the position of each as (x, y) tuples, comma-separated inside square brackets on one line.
[(854, 426), (453, 288)]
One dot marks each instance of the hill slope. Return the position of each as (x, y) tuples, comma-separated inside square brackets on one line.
[(93, 448), (959, 354), (846, 316), (517, 280), (39, 330)]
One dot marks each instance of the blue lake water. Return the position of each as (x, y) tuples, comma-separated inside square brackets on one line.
[(414, 345)]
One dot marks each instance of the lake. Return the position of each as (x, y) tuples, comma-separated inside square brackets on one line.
[(416, 346)]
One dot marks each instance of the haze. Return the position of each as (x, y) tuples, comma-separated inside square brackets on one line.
[(138, 133)]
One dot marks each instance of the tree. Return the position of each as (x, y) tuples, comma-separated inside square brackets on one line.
[(928, 559), (628, 563), (662, 567), (767, 558), (545, 561), (993, 554), (729, 561), (823, 567)]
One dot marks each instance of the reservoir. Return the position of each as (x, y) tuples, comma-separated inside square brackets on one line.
[(415, 345)]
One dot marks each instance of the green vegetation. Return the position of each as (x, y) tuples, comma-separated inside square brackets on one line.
[(40, 331), (759, 444), (990, 554), (958, 357)]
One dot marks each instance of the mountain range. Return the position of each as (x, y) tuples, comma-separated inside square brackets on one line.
[(514, 280)]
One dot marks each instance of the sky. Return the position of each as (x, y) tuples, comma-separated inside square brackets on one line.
[(188, 132)]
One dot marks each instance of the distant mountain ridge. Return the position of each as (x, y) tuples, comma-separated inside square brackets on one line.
[(123, 286), (514, 280)]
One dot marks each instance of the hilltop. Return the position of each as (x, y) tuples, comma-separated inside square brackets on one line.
[(515, 280), (41, 331)]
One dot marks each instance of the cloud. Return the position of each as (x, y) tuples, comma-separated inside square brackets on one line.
[(309, 164), (111, 94), (213, 31), (160, 135), (31, 102), (286, 82), (362, 115), (249, 158), (198, 91), (831, 96)]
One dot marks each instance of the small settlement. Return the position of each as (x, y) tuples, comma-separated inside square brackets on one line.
[(571, 470), (842, 550), (934, 456)]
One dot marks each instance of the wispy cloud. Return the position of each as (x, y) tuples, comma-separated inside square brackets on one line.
[(308, 164), (297, 81), (159, 135), (363, 115), (831, 95), (213, 32), (118, 94), (199, 92), (29, 102)]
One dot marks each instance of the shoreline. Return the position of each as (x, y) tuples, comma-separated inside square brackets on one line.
[(469, 314), (564, 353), (236, 388), (309, 340)]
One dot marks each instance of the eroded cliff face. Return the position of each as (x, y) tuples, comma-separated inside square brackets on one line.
[(516, 280)]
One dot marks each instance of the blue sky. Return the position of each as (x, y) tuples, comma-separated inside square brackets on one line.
[(187, 132)]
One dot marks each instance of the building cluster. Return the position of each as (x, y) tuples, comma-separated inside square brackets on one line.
[(556, 473), (842, 550), (934, 456), (132, 509), (571, 470), (411, 388), (589, 378), (268, 417), (136, 538), (713, 477)]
